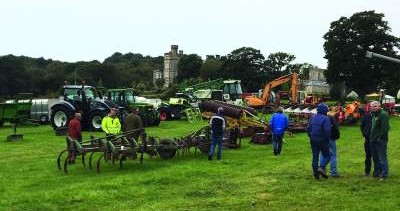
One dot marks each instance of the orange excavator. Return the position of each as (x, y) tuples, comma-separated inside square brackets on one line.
[(257, 102)]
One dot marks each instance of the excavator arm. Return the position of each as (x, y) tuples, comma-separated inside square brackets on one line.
[(256, 101), (281, 80)]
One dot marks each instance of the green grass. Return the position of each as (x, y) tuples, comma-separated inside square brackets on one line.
[(250, 178)]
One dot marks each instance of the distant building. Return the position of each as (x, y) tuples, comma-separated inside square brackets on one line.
[(157, 74), (316, 83), (170, 71)]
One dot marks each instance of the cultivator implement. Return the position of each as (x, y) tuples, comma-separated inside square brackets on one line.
[(118, 148)]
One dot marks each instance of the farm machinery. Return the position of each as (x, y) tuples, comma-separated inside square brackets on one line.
[(126, 98), (86, 100), (119, 148), (241, 122), (15, 112)]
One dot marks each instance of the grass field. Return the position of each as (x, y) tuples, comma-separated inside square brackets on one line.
[(250, 178)]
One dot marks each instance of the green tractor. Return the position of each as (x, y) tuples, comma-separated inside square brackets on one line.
[(126, 98)]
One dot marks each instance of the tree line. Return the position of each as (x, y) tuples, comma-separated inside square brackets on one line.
[(44, 77), (347, 65)]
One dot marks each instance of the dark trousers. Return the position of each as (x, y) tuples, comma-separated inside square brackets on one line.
[(368, 156), (317, 147), (379, 156), (277, 143)]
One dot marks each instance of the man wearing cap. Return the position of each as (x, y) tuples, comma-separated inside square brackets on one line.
[(217, 125), (111, 124), (319, 130), (379, 138), (278, 123)]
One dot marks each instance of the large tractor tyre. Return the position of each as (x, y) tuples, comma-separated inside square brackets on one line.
[(60, 117), (95, 119)]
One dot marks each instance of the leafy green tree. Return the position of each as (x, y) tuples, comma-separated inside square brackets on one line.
[(189, 67), (347, 63), (279, 61), (245, 64), (211, 69)]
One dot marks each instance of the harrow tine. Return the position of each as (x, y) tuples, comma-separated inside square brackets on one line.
[(98, 163), (90, 160), (83, 159), (66, 165), (59, 159)]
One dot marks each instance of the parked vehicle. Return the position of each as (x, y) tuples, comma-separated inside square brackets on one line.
[(40, 110), (84, 99), (126, 98), (17, 110)]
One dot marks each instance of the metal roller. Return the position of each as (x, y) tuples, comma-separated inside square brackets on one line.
[(212, 106)]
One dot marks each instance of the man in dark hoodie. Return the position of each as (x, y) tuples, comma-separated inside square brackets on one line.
[(365, 127), (319, 130)]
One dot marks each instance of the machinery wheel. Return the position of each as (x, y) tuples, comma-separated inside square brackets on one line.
[(163, 115), (43, 119), (167, 149), (95, 119), (60, 117)]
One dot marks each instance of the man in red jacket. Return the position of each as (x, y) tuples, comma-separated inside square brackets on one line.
[(74, 134), (74, 128)]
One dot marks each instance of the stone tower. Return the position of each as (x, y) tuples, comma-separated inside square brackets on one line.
[(171, 60)]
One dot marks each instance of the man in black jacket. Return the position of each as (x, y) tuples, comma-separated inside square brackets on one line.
[(365, 127), (217, 125)]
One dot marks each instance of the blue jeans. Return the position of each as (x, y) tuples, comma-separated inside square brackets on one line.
[(316, 148), (332, 156), (379, 156), (277, 143), (216, 139)]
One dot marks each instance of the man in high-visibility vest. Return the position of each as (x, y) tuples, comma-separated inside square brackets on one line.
[(111, 124)]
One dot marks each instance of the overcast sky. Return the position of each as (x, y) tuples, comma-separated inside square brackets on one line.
[(84, 30)]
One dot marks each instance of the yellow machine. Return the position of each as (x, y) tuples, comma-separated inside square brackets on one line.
[(257, 102)]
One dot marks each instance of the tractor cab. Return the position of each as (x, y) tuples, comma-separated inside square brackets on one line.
[(232, 92)]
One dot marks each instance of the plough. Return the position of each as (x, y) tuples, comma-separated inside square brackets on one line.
[(119, 148)]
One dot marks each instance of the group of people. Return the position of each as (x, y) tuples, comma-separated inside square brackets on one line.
[(111, 125), (322, 130)]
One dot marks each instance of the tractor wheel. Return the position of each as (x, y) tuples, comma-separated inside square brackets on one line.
[(95, 119), (60, 117), (1, 123), (163, 115)]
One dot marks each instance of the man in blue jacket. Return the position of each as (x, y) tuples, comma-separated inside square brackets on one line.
[(278, 123), (319, 130)]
